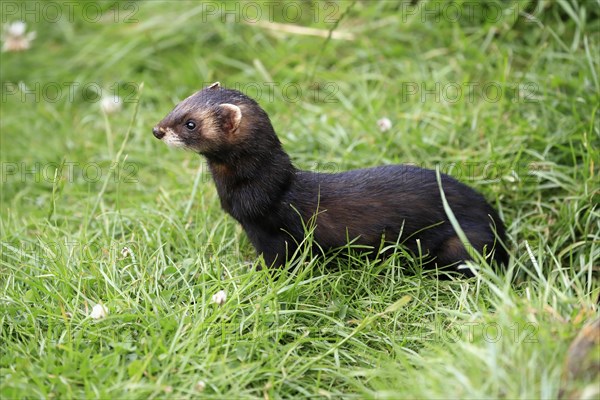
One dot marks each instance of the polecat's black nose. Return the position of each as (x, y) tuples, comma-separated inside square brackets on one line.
[(158, 133)]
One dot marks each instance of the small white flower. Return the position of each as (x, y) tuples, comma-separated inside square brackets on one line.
[(15, 37), (200, 386), (384, 124), (513, 177), (17, 28), (125, 252), (220, 297), (99, 311), (111, 105)]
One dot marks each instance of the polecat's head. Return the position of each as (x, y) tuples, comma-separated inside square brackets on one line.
[(211, 121)]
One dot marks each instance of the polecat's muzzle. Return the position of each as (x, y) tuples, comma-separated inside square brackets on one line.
[(158, 133)]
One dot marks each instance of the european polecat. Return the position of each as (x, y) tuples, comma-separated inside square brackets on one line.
[(275, 202)]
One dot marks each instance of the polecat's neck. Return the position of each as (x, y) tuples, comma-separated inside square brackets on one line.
[(246, 168), (250, 183)]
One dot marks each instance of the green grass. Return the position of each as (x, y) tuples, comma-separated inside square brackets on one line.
[(79, 186)]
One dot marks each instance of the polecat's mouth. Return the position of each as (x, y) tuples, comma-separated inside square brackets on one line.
[(168, 137), (158, 132)]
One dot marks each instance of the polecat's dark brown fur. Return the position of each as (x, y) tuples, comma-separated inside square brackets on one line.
[(259, 187)]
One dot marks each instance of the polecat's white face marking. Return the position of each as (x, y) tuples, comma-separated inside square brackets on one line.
[(171, 139)]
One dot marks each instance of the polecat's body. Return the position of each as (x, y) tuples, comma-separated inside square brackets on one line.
[(259, 187)]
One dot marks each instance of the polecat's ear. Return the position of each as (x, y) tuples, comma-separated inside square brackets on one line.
[(215, 85), (232, 115)]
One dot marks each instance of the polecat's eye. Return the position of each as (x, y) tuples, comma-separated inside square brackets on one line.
[(190, 125)]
